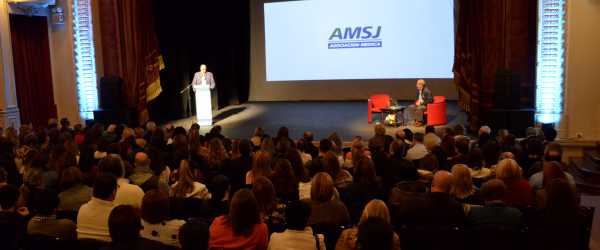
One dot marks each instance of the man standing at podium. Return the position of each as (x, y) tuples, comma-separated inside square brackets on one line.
[(204, 77)]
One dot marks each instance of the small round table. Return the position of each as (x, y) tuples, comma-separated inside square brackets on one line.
[(394, 110)]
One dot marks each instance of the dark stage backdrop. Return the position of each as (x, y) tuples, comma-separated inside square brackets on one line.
[(190, 33)]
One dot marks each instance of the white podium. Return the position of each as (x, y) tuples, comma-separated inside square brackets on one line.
[(203, 105)]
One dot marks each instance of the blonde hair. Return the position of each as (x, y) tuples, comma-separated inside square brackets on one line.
[(375, 208), (508, 170), (185, 182), (431, 141), (462, 185)]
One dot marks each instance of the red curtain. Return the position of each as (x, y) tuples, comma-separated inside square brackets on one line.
[(493, 35), (33, 72), (130, 50)]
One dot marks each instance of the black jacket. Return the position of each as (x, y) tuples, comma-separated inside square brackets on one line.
[(427, 96)]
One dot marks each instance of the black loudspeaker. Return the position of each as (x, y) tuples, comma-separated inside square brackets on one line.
[(515, 120), (507, 90), (110, 93)]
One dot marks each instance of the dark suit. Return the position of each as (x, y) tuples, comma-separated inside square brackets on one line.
[(415, 112)]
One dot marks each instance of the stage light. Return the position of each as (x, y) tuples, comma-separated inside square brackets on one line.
[(550, 61)]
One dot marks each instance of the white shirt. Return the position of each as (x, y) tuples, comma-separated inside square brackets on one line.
[(166, 232), (128, 194), (199, 192), (304, 190), (295, 239), (416, 152), (92, 220)]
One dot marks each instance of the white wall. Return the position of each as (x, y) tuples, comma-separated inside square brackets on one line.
[(63, 65), (582, 73)]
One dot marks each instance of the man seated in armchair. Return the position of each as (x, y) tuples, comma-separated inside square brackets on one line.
[(415, 111)]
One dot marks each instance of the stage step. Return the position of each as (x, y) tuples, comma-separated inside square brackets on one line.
[(586, 172)]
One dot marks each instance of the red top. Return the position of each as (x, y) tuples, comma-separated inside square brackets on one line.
[(221, 236), (518, 194)]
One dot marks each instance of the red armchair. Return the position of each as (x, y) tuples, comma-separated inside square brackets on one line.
[(376, 103), (436, 111)]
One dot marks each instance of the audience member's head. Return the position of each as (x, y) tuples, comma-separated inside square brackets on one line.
[(431, 141), (296, 215), (429, 129), (429, 162), (485, 130), (375, 234), (325, 146), (261, 164), (398, 148), (331, 164), (245, 147), (142, 160), (552, 170), (70, 177), (463, 183), (442, 182), (244, 212), (155, 206), (375, 208), (553, 152), (105, 187), (194, 235), (8, 197), (219, 187), (322, 188), (364, 173), (283, 132), (124, 224), (379, 129), (475, 159), (112, 164), (45, 202), (264, 193), (185, 183), (493, 190), (308, 136), (508, 170), (418, 138), (561, 201)]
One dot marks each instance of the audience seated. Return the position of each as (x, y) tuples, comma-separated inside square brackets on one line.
[(74, 192), (518, 191), (156, 224), (298, 234), (462, 188), (45, 222), (375, 234), (242, 228), (284, 181), (364, 189), (325, 209), (553, 154), (417, 150), (124, 225), (374, 209), (194, 235), (495, 214), (92, 219), (429, 208), (142, 171), (13, 220), (186, 187), (261, 166), (127, 194)]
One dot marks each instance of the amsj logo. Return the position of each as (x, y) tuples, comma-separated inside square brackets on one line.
[(355, 37)]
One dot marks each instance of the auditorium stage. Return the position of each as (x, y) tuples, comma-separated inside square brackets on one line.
[(348, 118)]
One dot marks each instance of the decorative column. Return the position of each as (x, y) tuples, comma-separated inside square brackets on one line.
[(9, 111)]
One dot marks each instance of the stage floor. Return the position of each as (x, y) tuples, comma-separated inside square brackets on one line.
[(348, 119)]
